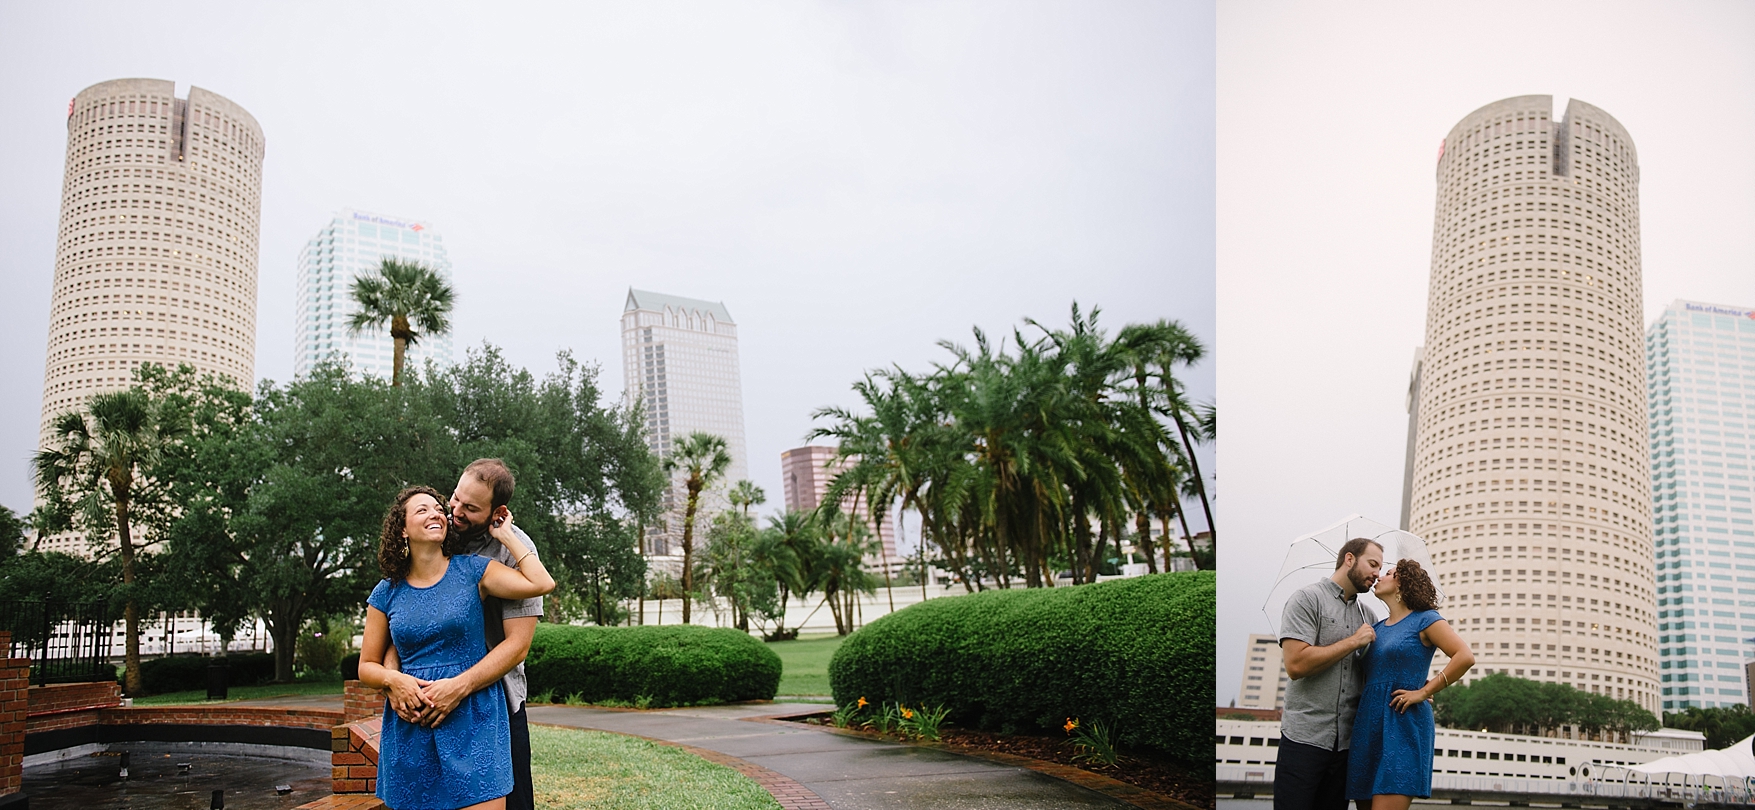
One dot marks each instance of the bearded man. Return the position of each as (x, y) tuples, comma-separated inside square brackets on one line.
[(479, 502), (1325, 659)]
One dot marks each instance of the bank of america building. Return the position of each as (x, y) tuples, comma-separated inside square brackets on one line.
[(351, 245), (1700, 369)]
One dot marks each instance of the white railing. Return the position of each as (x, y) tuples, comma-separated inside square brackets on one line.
[(1631, 785)]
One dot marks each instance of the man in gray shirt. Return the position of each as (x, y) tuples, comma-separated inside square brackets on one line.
[(478, 502), (1323, 634)]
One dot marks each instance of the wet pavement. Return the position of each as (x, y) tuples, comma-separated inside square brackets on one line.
[(157, 780), (849, 773)]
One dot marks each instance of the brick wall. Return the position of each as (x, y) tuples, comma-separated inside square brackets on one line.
[(224, 716), (354, 756), (14, 709), (70, 705), (1222, 712), (360, 701)]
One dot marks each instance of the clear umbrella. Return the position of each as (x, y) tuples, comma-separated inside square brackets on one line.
[(1311, 558)]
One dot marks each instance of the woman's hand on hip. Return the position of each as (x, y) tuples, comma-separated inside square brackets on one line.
[(1403, 699)]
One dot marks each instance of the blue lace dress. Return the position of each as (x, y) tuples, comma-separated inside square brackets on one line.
[(1391, 752), (438, 633)]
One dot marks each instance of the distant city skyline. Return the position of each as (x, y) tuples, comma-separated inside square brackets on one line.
[(1700, 373), (350, 245), (1328, 167), (856, 181)]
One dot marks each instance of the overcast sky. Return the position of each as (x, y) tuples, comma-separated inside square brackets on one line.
[(855, 181), (1330, 118)]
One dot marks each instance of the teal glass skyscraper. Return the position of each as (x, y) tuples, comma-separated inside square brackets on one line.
[(350, 245), (1700, 386)]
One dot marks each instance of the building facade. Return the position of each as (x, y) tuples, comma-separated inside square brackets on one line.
[(353, 244), (806, 473), (155, 260), (1531, 480), (1264, 674), (679, 362), (1700, 389)]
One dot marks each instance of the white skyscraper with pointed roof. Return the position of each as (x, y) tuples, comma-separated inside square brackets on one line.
[(679, 361)]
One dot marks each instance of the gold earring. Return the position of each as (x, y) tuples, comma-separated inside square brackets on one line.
[(405, 545)]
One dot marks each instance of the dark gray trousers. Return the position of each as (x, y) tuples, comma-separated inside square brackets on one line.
[(1307, 777), (523, 797)]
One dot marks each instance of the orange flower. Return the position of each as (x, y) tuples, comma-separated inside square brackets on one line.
[(1070, 725), (907, 714), (862, 703)]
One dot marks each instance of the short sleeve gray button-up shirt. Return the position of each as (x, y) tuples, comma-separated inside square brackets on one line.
[(496, 610), (1320, 707)]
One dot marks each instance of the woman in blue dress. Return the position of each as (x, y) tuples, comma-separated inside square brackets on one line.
[(1390, 761), (429, 606)]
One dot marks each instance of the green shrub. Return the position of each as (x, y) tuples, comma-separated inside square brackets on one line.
[(1133, 654), (181, 673), (320, 649), (655, 666)]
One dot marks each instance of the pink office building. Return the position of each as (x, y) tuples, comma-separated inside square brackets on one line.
[(807, 471)]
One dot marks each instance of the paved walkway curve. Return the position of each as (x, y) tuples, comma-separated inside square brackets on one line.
[(847, 773)]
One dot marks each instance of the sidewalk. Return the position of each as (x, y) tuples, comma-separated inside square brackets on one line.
[(846, 772)]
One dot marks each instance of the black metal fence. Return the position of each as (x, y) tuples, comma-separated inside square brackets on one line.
[(66, 642)]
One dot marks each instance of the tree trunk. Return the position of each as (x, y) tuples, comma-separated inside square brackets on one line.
[(285, 634), (1187, 537), (834, 599), (1182, 520), (399, 334), (130, 610), (1102, 544), (1164, 524), (688, 543), (597, 586), (1200, 486), (1084, 565), (1142, 527), (877, 521)]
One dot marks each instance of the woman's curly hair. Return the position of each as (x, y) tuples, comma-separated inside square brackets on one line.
[(393, 557), (1417, 590)]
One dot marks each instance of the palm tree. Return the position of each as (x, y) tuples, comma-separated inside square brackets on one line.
[(93, 466), (791, 550), (1154, 350), (701, 458), (410, 298), (841, 566), (746, 494), (880, 447)]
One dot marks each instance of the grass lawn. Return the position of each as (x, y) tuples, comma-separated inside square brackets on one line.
[(575, 768), (199, 696), (805, 664)]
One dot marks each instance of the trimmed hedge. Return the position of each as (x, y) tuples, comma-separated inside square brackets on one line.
[(181, 673), (664, 666), (1136, 654)]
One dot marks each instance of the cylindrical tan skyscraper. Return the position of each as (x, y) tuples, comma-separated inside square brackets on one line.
[(1530, 469), (156, 261)]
